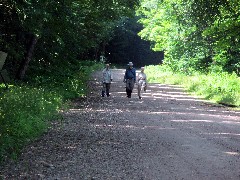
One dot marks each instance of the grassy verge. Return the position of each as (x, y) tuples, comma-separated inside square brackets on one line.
[(26, 109), (219, 87)]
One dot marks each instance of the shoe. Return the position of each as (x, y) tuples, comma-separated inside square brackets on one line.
[(140, 97), (103, 93)]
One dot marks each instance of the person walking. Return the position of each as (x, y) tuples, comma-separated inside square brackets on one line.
[(130, 79), (142, 82), (107, 79)]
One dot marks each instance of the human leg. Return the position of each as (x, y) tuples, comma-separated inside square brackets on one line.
[(139, 89), (128, 88), (107, 89), (103, 89), (144, 86), (131, 86)]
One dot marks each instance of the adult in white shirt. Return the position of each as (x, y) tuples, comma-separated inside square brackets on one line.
[(107, 79), (142, 82)]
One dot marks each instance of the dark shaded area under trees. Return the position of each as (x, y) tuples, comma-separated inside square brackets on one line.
[(45, 36), (127, 46)]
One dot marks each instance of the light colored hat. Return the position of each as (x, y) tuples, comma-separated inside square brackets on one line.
[(130, 64), (142, 68)]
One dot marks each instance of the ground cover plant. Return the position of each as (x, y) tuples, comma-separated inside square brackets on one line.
[(27, 109), (220, 87)]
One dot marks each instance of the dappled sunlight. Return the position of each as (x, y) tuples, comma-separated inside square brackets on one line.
[(163, 108), (140, 127), (180, 97), (230, 122), (196, 109), (98, 83), (172, 95), (108, 142), (202, 109), (154, 94), (76, 110), (158, 91), (225, 134), (208, 121), (116, 126), (172, 87), (166, 114), (147, 94), (157, 127), (114, 82), (71, 147), (128, 108), (103, 125), (192, 121), (220, 116), (153, 86), (198, 114), (232, 153), (191, 99), (120, 92), (177, 93), (159, 112)]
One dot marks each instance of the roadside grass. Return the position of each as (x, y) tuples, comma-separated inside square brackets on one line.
[(26, 110), (223, 88), (24, 115)]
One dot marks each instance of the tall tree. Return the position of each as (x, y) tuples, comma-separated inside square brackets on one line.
[(59, 28), (195, 35)]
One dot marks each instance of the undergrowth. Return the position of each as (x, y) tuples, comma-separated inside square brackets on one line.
[(27, 109), (218, 87)]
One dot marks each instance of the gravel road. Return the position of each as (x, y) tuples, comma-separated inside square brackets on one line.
[(164, 136)]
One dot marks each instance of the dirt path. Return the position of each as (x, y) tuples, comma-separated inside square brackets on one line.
[(164, 136)]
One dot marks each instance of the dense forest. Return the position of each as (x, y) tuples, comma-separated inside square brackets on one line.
[(196, 35), (53, 46), (39, 35)]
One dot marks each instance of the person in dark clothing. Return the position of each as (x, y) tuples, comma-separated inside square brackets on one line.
[(130, 79)]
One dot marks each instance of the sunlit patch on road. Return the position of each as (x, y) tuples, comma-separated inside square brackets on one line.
[(233, 153)]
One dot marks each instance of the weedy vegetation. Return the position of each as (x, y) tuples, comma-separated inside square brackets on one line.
[(26, 110), (220, 87)]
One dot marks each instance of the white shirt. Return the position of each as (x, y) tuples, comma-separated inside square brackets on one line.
[(142, 76), (107, 75)]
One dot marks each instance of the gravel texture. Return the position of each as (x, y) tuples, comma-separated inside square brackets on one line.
[(164, 136)]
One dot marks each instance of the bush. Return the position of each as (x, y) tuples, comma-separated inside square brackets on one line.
[(24, 114), (68, 82), (26, 110), (219, 87)]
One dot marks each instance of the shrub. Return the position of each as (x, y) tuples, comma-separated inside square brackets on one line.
[(24, 114), (26, 109), (219, 87)]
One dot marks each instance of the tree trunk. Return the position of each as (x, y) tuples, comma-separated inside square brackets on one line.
[(28, 56)]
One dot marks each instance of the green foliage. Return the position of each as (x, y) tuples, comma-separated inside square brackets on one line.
[(69, 29), (26, 109), (23, 116), (219, 87), (195, 35), (69, 82)]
